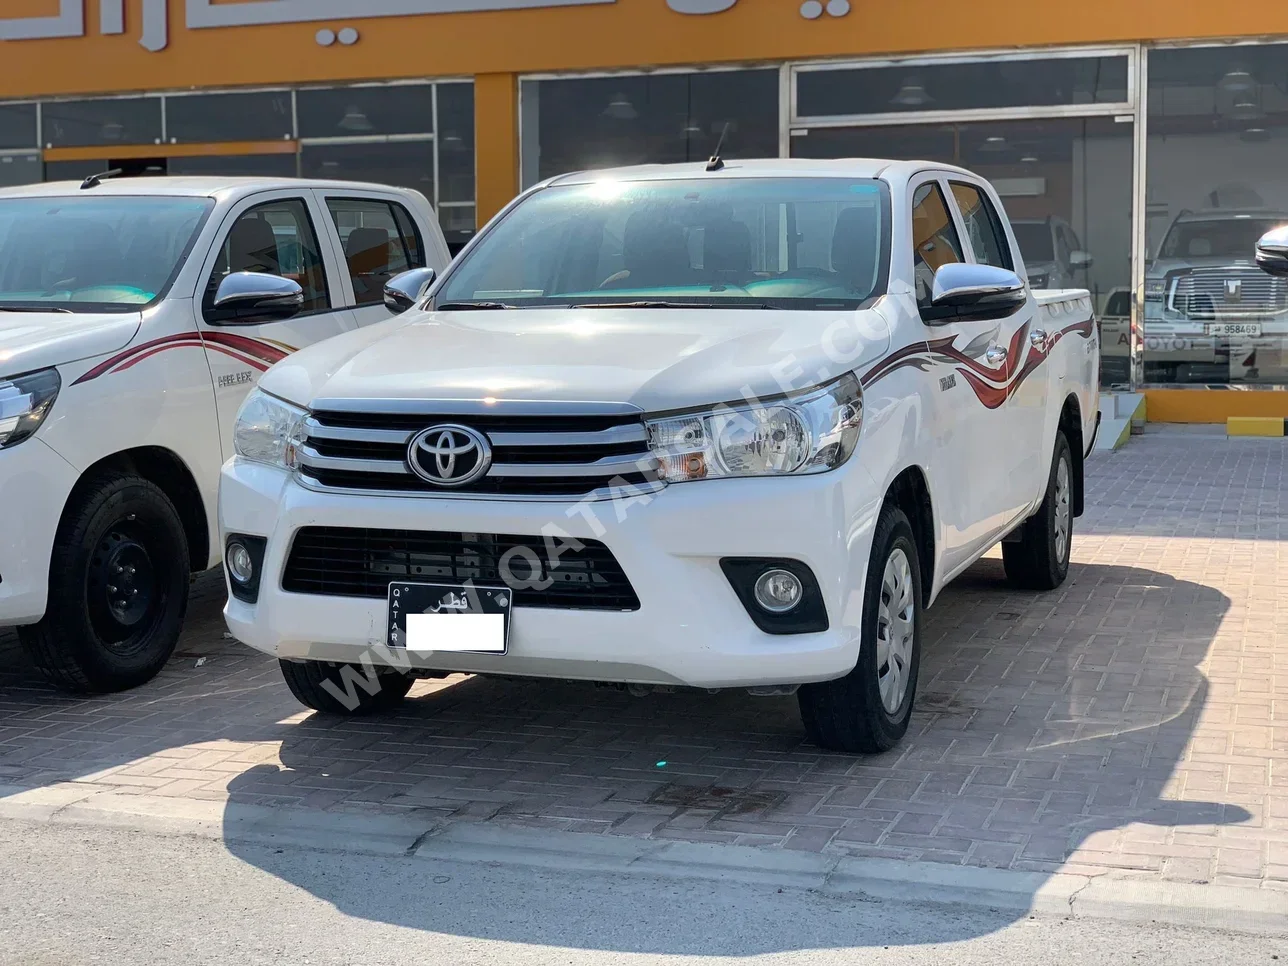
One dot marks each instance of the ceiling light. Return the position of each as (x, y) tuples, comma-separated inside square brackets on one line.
[(1237, 80), (112, 131), (1029, 158), (355, 120), (1246, 109), (1256, 134), (994, 143), (911, 94), (621, 108)]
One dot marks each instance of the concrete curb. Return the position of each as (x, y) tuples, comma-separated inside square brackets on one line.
[(1257, 911)]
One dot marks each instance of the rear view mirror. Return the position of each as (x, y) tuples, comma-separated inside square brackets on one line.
[(1080, 259), (405, 289), (248, 298), (1272, 251), (973, 292)]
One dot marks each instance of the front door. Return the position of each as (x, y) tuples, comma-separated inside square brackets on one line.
[(276, 233), (968, 392), (1025, 347)]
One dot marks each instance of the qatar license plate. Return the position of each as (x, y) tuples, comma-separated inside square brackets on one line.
[(449, 617), (1233, 328)]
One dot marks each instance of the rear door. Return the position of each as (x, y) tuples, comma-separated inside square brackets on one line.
[(274, 232), (378, 237), (1020, 353)]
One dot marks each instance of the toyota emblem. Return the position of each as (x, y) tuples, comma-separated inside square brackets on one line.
[(449, 455)]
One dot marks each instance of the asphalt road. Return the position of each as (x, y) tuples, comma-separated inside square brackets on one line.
[(78, 895)]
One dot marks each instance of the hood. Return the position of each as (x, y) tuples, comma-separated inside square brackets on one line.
[(1162, 266), (655, 359), (37, 340)]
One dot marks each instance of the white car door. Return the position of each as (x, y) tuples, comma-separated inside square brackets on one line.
[(968, 421), (378, 238), (1022, 349), (274, 232)]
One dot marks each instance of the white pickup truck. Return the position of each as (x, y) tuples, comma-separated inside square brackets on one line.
[(722, 425), (135, 316)]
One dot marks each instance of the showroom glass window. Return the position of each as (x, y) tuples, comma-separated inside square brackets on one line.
[(1052, 133), (1216, 178), (19, 144), (576, 123)]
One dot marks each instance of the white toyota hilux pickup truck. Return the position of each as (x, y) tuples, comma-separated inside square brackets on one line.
[(135, 316), (722, 425)]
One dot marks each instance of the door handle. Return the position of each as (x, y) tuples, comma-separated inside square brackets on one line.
[(1039, 338), (995, 355)]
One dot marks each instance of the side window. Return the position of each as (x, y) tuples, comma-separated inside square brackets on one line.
[(277, 238), (934, 238), (983, 226), (379, 240)]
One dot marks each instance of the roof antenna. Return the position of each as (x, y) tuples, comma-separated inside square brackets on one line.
[(94, 180), (714, 163)]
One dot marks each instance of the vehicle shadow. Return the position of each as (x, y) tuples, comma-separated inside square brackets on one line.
[(1052, 728)]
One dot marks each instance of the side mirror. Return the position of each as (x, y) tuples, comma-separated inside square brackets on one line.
[(1272, 251), (248, 298), (405, 289), (963, 293), (1080, 260)]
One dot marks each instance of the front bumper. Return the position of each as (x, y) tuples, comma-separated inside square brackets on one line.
[(34, 485), (691, 629)]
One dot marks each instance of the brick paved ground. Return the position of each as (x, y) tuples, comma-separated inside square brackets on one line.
[(1135, 720)]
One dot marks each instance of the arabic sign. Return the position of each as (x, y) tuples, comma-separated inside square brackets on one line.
[(200, 14)]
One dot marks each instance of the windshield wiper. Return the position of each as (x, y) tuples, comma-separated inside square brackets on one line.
[(36, 308), (460, 306), (661, 304)]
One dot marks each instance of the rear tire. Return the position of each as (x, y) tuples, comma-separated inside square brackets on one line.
[(868, 710), (345, 689), (118, 588), (1040, 559)]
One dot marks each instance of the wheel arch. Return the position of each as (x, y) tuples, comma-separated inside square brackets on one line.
[(910, 492), (1071, 425), (167, 470)]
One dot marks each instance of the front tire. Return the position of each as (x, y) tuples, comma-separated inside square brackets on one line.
[(118, 588), (1039, 560), (868, 710), (345, 689)]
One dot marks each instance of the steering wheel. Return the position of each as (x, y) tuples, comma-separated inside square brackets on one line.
[(615, 277)]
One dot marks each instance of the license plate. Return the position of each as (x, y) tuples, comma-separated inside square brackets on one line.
[(1233, 328), (449, 617)]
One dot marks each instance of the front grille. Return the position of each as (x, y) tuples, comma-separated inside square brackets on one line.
[(1236, 292), (546, 456), (354, 562)]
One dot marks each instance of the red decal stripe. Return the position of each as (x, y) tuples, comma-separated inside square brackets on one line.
[(253, 352), (262, 350), (103, 367), (990, 396)]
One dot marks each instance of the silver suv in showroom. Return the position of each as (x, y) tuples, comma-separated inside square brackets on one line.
[(1215, 316)]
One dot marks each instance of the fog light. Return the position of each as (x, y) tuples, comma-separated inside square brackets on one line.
[(778, 591), (240, 564)]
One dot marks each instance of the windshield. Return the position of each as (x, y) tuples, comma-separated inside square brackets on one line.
[(88, 254), (1226, 237), (799, 243), (1034, 239)]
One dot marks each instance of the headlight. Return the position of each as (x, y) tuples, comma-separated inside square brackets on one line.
[(268, 430), (812, 432), (25, 401), (1155, 289), (1038, 280)]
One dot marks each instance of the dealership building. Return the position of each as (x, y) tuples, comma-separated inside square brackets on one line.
[(1139, 148)]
